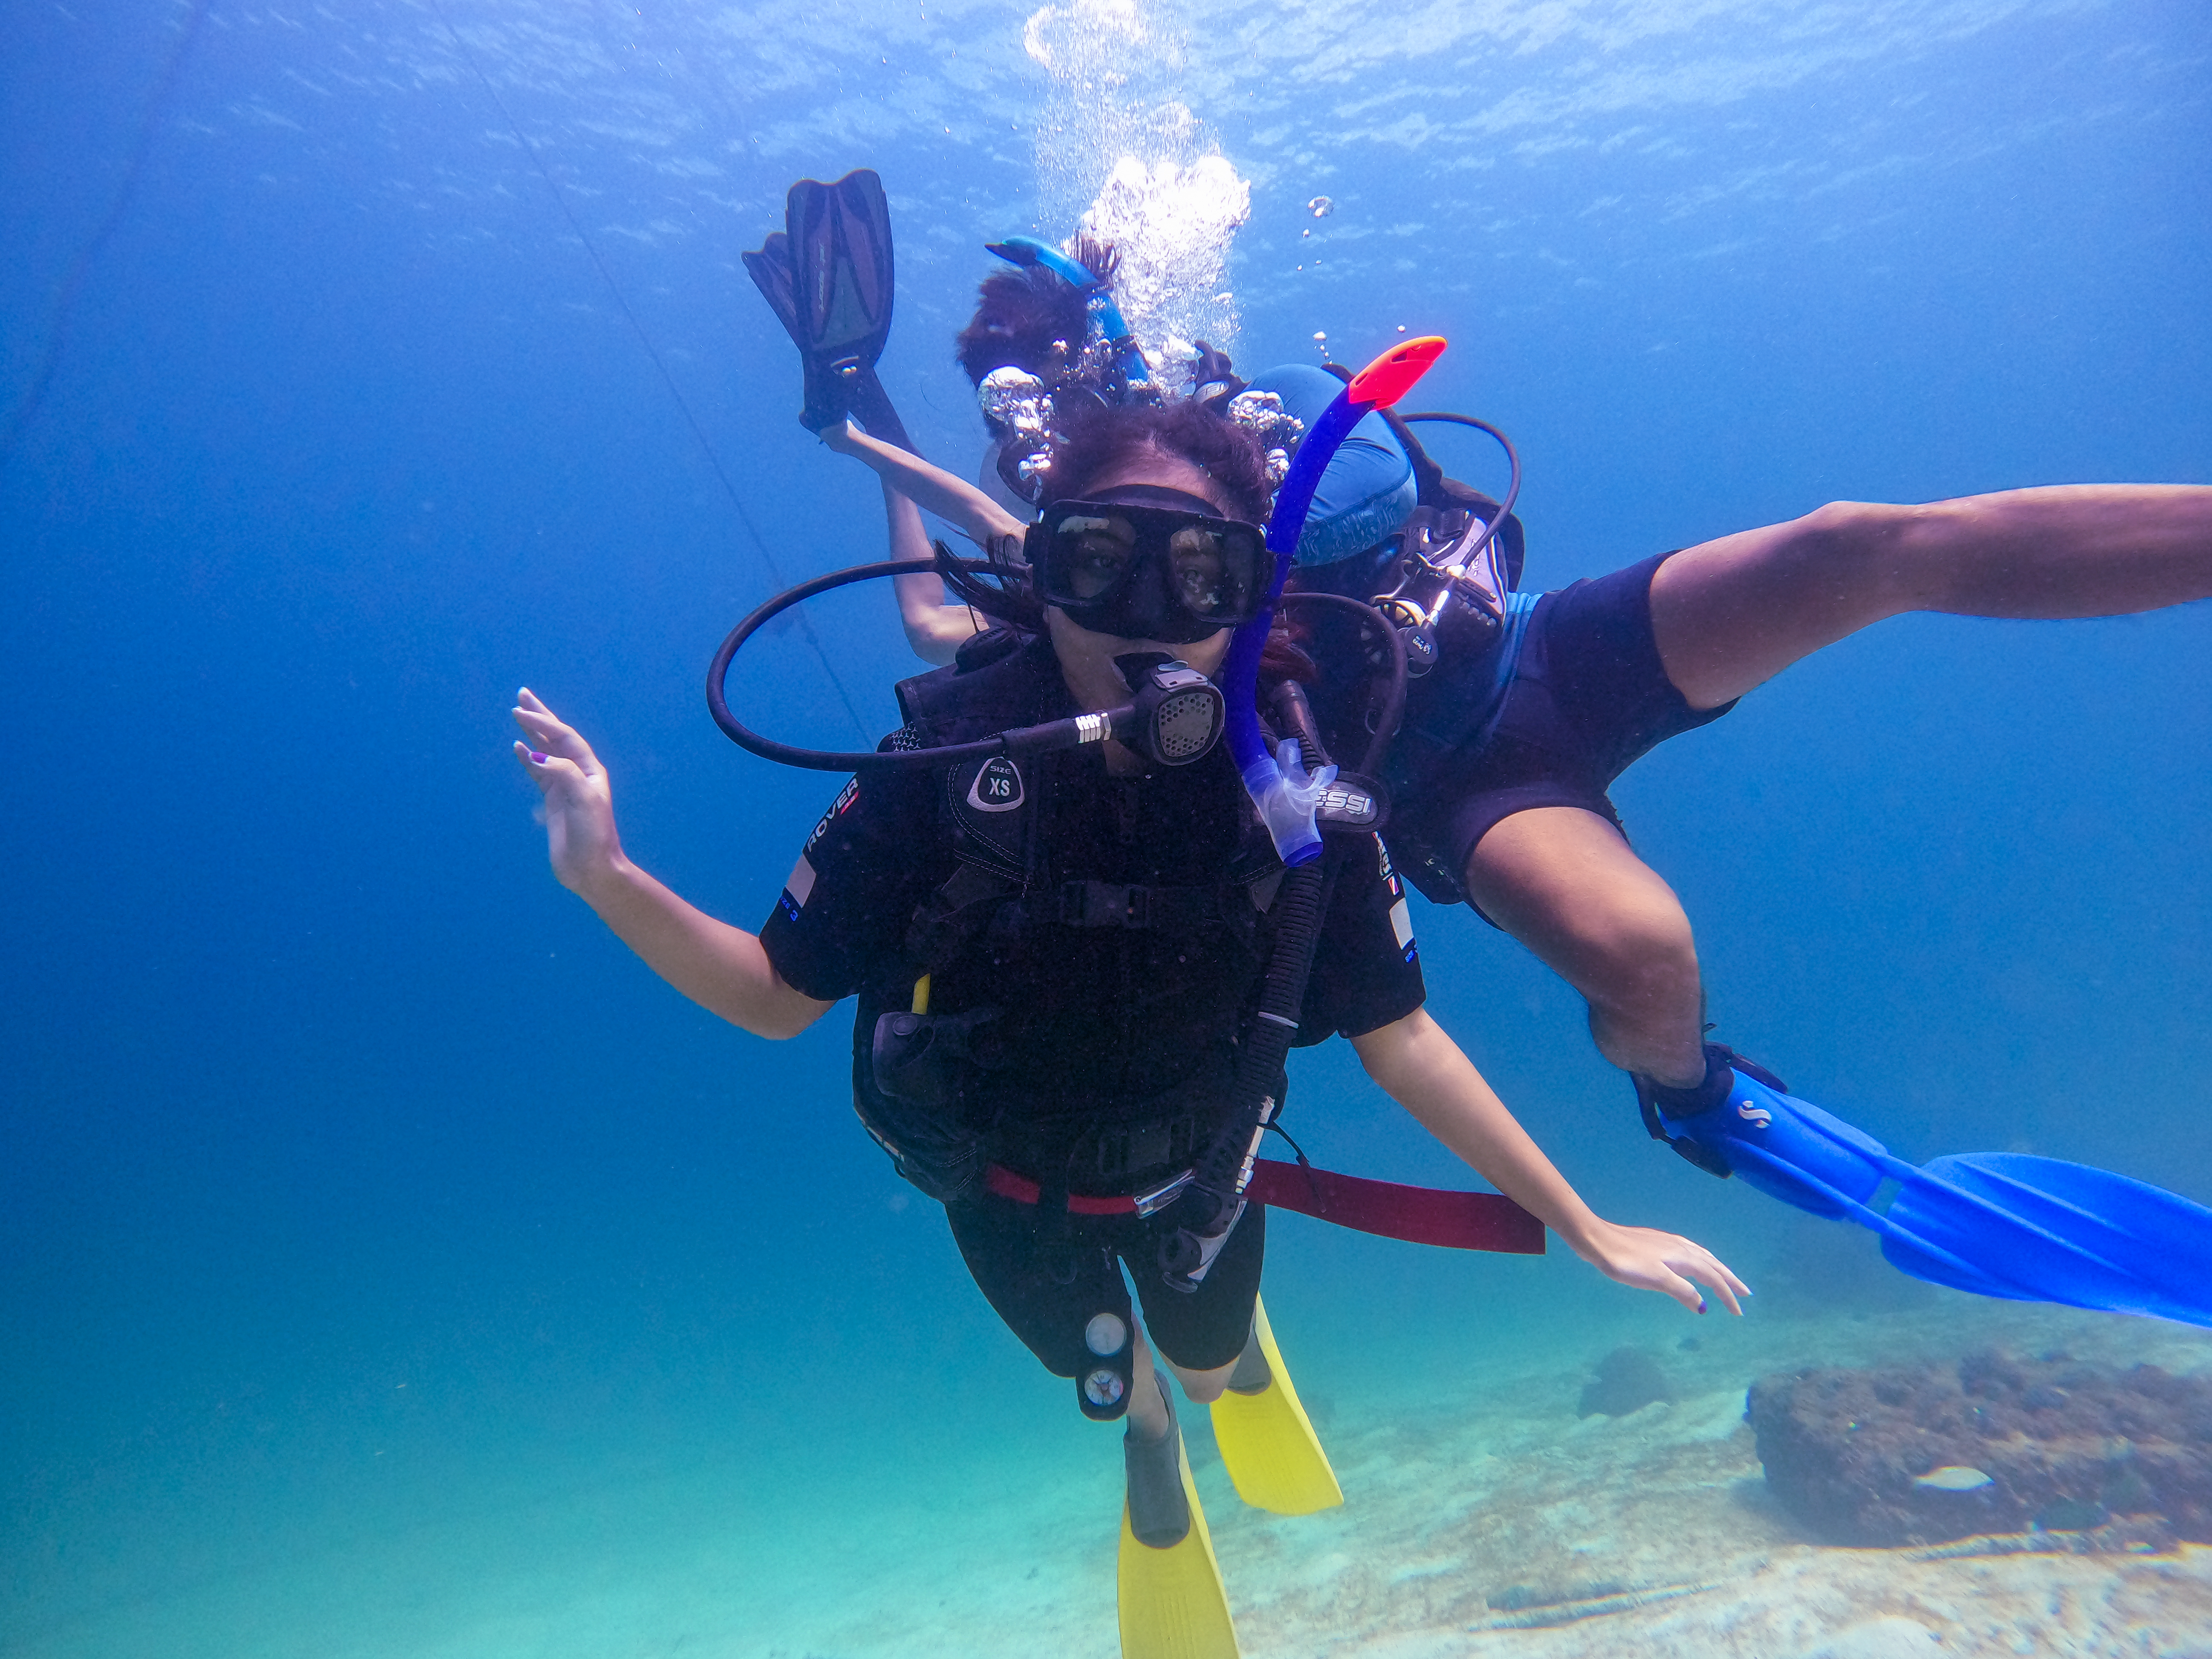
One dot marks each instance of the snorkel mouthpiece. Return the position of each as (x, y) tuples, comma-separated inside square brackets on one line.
[(1282, 792)]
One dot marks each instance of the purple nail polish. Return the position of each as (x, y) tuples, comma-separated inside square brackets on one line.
[(537, 758)]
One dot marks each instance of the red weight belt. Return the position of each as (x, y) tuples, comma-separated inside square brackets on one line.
[(1418, 1215)]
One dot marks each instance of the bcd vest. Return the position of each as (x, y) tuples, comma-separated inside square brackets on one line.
[(1007, 902)]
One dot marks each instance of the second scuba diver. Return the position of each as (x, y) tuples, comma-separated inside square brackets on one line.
[(1526, 707), (1059, 959)]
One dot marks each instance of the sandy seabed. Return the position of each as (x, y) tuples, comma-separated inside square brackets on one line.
[(1481, 1517)]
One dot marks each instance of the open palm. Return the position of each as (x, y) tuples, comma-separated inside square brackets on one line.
[(579, 810)]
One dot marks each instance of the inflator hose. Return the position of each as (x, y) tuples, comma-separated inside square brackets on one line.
[(1282, 994), (1256, 1089)]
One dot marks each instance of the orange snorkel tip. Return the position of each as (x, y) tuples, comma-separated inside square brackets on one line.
[(1392, 375)]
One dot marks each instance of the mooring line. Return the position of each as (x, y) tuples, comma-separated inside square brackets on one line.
[(72, 283), (699, 432)]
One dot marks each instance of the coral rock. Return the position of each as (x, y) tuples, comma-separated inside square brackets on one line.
[(2067, 1448)]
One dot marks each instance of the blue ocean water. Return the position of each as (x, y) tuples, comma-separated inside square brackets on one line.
[(389, 1264)]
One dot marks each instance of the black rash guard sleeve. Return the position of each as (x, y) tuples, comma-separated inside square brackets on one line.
[(1367, 972), (839, 924)]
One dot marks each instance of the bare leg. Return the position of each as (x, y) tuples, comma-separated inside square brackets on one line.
[(1565, 883), (1732, 613), (1148, 1412)]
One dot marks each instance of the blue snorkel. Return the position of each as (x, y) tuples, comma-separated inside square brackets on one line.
[(1208, 1200), (1282, 792), (1105, 315)]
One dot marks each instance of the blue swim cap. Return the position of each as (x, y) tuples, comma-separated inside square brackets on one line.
[(1366, 491)]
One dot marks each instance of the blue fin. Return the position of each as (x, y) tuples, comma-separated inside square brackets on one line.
[(1995, 1224), (2052, 1231)]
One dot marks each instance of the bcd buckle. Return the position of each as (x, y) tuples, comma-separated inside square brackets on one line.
[(1105, 904), (1164, 1194)]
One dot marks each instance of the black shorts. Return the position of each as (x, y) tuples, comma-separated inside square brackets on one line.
[(1588, 696), (1048, 1275)]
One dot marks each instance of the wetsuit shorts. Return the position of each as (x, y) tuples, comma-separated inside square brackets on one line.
[(1047, 1275), (1587, 695)]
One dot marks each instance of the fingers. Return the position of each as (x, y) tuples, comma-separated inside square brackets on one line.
[(1720, 1289), (1668, 1282), (546, 771), (1697, 1263), (1672, 1265), (552, 734)]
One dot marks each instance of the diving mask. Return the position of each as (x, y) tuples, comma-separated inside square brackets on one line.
[(1143, 565)]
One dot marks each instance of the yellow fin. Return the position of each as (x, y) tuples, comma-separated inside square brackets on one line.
[(1173, 1604), (1272, 1451)]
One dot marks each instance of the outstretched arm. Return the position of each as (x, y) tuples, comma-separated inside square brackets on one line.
[(1731, 613), (1418, 1065), (720, 968)]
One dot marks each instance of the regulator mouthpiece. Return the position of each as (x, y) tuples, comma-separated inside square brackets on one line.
[(1178, 714)]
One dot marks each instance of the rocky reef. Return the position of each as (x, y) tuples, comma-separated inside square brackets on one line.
[(1923, 1453)]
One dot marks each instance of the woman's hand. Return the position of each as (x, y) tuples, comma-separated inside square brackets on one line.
[(1421, 1067), (580, 808), (1649, 1259), (722, 969)]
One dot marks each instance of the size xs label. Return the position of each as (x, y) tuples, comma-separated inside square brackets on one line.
[(997, 785)]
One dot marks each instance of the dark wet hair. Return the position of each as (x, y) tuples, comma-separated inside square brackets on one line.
[(1095, 439), (1027, 317)]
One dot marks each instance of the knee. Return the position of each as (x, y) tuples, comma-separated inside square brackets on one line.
[(1869, 556), (1204, 1388), (1637, 953)]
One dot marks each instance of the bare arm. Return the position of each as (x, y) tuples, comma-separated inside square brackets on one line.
[(1731, 613), (720, 968), (934, 629), (955, 500), (1418, 1065)]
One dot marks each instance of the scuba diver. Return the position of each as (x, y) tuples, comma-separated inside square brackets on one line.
[(1522, 708), (1079, 958)]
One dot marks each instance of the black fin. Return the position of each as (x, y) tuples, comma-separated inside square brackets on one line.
[(771, 271), (830, 278)]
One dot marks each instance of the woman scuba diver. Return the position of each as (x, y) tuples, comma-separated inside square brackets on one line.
[(1084, 935)]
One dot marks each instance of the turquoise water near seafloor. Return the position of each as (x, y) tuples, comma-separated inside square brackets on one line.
[(393, 1266)]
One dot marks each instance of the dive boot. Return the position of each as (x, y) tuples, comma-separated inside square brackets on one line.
[(1272, 1451), (1173, 1605)]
